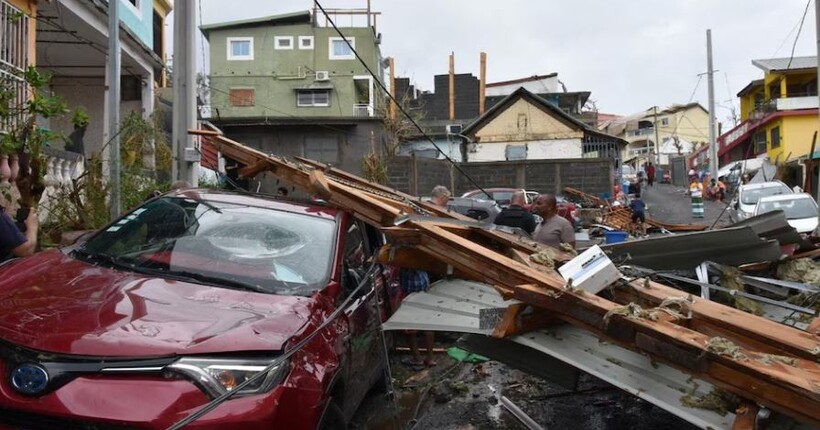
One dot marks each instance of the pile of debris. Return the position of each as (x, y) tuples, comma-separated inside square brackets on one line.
[(620, 218), (764, 363)]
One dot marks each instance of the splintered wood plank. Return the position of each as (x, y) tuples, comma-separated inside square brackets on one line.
[(748, 329), (414, 258), (255, 169), (509, 322), (518, 321)]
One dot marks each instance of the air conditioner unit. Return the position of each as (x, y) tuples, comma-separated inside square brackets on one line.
[(322, 76), (453, 128)]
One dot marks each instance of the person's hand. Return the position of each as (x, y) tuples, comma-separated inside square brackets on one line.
[(32, 222)]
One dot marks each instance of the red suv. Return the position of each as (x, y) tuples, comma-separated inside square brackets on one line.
[(182, 300)]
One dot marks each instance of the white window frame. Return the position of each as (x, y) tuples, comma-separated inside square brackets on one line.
[(232, 57), (313, 104), (330, 41), (304, 38), (276, 40), (664, 122)]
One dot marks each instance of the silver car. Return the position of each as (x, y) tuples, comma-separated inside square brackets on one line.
[(743, 204)]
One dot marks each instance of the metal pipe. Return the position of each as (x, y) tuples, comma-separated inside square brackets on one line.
[(518, 413), (114, 57)]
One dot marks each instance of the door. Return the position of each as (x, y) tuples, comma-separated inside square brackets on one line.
[(362, 340)]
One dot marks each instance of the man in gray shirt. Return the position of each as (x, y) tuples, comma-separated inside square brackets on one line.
[(554, 229)]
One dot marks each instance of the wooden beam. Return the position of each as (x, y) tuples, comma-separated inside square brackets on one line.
[(452, 87), (257, 168), (482, 83), (716, 319)]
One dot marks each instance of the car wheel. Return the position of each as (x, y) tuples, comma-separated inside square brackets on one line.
[(333, 419)]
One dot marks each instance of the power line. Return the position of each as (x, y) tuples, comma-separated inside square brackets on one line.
[(393, 99), (796, 38), (691, 97)]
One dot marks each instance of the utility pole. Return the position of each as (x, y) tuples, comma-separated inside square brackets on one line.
[(654, 158), (184, 115), (114, 55), (817, 33), (713, 162)]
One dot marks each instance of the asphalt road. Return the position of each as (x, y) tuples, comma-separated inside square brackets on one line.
[(671, 204)]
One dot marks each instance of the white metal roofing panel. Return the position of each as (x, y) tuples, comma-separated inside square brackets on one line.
[(454, 305), (774, 64)]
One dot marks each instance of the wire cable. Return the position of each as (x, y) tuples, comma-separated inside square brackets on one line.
[(796, 38), (393, 99)]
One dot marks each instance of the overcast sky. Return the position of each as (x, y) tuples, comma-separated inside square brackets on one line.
[(631, 54)]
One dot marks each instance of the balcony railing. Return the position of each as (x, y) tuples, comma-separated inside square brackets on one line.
[(362, 110), (795, 103), (641, 132), (61, 168)]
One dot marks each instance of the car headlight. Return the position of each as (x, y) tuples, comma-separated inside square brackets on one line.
[(217, 376)]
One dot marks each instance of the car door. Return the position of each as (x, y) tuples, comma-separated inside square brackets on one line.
[(362, 341)]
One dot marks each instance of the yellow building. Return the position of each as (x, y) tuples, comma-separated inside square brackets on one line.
[(656, 134), (778, 113)]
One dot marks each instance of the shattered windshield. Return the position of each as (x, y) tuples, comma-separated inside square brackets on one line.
[(751, 196), (235, 246), (794, 209)]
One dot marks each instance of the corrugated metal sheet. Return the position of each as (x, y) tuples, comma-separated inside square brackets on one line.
[(774, 64), (733, 246), (454, 306)]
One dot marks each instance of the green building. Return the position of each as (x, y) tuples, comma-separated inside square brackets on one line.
[(289, 86)]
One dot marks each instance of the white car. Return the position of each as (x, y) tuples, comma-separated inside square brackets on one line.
[(743, 205), (800, 209)]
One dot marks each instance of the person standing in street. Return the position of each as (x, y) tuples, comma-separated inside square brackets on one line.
[(696, 192), (650, 174), (515, 215), (638, 213), (553, 229), (13, 242), (413, 281)]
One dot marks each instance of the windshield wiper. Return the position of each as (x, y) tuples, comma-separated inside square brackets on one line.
[(212, 280), (110, 260)]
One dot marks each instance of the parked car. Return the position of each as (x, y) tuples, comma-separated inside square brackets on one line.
[(743, 204), (800, 210), (480, 209), (184, 298), (628, 173), (503, 196)]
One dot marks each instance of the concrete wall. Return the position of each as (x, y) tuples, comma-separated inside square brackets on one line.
[(343, 146), (418, 176), (536, 150), (90, 94), (796, 134)]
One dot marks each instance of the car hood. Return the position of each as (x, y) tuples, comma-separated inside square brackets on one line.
[(804, 225), (51, 302)]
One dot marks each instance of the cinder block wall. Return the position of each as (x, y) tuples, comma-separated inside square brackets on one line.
[(418, 176)]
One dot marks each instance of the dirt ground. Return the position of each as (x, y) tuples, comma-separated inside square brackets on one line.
[(459, 396)]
